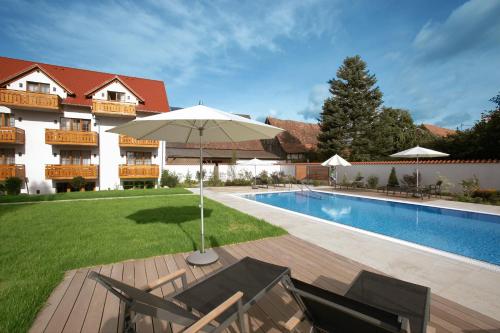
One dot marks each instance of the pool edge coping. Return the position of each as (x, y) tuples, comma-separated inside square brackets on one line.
[(450, 255)]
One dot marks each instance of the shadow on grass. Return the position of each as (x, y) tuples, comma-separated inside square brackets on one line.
[(172, 215)]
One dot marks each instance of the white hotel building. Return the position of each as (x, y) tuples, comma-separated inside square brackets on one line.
[(54, 121)]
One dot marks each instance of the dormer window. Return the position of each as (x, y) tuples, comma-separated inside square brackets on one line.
[(116, 96), (38, 87)]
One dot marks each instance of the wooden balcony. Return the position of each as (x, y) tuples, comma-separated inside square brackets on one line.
[(127, 141), (74, 138), (12, 135), (139, 171), (68, 172), (11, 170), (29, 100), (113, 109)]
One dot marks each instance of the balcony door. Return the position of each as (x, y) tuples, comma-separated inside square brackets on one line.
[(75, 157), (138, 158), (116, 96), (7, 156), (6, 120), (71, 124)]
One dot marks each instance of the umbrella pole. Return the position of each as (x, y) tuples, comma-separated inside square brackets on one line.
[(202, 257), (201, 195)]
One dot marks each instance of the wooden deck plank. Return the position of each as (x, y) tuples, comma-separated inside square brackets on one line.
[(68, 303), (159, 326), (50, 307), (92, 321), (63, 311), (111, 312), (75, 320)]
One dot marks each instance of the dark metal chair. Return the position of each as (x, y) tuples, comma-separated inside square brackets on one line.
[(222, 297), (374, 303)]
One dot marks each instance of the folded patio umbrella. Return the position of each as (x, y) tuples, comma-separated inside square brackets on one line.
[(255, 162), (197, 124), (419, 152), (335, 161)]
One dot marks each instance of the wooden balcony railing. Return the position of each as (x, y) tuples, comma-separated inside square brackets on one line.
[(12, 135), (139, 171), (127, 141), (26, 99), (11, 170), (68, 172), (113, 109), (77, 138)]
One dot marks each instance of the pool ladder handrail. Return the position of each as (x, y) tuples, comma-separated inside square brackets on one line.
[(301, 185)]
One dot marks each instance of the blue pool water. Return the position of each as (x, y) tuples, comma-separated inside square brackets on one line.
[(468, 234)]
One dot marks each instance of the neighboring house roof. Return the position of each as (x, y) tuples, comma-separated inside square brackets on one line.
[(299, 137), (220, 153), (439, 131), (80, 81)]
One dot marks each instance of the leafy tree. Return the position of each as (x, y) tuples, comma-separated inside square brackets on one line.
[(346, 120), (13, 185), (480, 141), (78, 183), (393, 179), (393, 131)]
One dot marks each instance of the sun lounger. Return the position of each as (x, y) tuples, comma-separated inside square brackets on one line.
[(223, 297), (373, 303)]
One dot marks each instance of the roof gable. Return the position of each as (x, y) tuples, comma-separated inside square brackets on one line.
[(80, 81), (27, 71), (108, 82), (298, 137)]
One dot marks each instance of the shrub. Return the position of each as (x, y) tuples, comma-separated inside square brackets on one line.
[(214, 180), (345, 180), (393, 179), (13, 185), (198, 175), (238, 182), (188, 180), (411, 180), (469, 186), (264, 177), (77, 183), (169, 179), (486, 194), (359, 177), (372, 181), (316, 182)]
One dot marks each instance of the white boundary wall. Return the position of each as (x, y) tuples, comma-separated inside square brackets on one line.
[(487, 173)]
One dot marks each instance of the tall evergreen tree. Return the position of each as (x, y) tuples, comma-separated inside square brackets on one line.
[(346, 121)]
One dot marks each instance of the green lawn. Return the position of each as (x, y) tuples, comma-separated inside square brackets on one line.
[(39, 242), (90, 195)]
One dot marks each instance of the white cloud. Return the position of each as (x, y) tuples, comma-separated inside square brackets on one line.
[(473, 25), (317, 96), (174, 40)]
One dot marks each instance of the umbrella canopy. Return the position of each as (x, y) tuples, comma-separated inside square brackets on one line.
[(200, 124), (189, 124), (418, 152), (335, 160), (255, 162)]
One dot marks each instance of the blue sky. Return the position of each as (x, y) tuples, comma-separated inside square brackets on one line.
[(438, 59)]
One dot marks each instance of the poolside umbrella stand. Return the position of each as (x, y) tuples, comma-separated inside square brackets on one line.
[(255, 162), (197, 124), (419, 152), (335, 161)]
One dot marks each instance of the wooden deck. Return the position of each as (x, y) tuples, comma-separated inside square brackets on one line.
[(80, 305)]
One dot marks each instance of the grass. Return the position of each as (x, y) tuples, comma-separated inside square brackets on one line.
[(90, 195), (41, 242)]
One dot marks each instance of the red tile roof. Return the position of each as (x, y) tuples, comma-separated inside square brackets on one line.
[(439, 131), (298, 137), (79, 81)]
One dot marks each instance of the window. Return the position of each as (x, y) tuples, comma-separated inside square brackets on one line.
[(54, 89), (138, 158), (116, 96), (80, 157), (7, 156), (70, 124), (6, 120), (38, 87)]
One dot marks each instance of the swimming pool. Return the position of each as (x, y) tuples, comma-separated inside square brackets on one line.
[(468, 234)]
